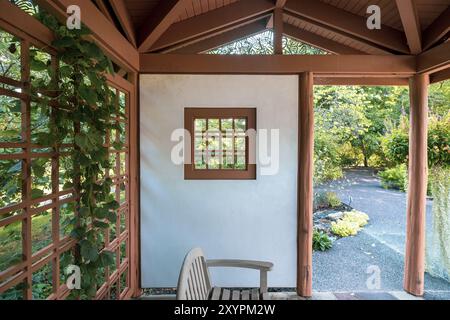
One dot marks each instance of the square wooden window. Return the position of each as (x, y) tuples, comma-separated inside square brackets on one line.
[(220, 145)]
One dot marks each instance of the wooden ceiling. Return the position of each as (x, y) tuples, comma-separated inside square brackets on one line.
[(338, 26)]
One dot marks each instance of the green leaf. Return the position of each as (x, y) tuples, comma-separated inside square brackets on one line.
[(112, 216), (37, 65), (112, 205), (100, 212), (64, 42), (106, 258), (101, 224), (88, 94), (77, 233), (88, 251), (37, 193)]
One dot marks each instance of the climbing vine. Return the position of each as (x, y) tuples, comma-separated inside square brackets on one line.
[(82, 113)]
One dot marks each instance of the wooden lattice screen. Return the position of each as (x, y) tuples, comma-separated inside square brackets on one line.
[(35, 205)]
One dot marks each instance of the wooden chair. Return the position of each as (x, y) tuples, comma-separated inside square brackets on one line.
[(194, 282)]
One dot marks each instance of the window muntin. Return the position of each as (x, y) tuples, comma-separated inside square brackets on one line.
[(219, 143)]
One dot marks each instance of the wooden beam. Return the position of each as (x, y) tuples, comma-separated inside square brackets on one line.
[(435, 59), (437, 30), (360, 81), (305, 184), (104, 9), (318, 41), (123, 16), (278, 64), (376, 49), (411, 25), (348, 23), (212, 21), (104, 33), (278, 31), (162, 17), (223, 38), (417, 187), (440, 76)]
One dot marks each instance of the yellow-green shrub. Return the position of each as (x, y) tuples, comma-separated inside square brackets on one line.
[(358, 217), (350, 224), (344, 228)]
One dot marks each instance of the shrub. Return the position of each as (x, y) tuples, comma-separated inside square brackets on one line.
[(396, 144), (358, 217), (321, 241), (350, 224), (326, 200), (333, 200), (394, 178)]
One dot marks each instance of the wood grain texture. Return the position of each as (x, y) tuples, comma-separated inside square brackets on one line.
[(305, 185), (417, 188)]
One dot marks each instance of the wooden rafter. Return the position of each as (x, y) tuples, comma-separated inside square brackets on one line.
[(223, 38), (437, 30), (435, 59), (212, 21), (354, 65), (162, 17), (411, 25), (215, 33), (123, 16), (104, 9), (318, 41), (376, 49), (348, 23)]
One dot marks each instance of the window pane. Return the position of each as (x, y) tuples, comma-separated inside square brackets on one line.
[(200, 143), (227, 124), (240, 164), (213, 142), (200, 125), (200, 162), (240, 125), (213, 124), (227, 143), (240, 144)]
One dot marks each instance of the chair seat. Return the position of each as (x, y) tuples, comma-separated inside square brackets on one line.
[(218, 293)]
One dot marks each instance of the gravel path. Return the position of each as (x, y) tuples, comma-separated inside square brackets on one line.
[(381, 243)]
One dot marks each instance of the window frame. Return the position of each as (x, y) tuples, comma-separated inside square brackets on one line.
[(190, 114)]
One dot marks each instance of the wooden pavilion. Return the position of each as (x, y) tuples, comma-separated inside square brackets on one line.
[(169, 36)]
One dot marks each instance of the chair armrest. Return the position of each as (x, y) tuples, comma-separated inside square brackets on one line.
[(262, 266), (247, 264)]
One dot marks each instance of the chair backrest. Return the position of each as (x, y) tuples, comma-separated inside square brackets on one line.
[(194, 281)]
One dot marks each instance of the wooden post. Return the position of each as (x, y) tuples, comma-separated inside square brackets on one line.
[(278, 31), (417, 189), (305, 185)]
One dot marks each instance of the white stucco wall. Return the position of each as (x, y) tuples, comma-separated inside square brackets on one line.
[(228, 219)]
